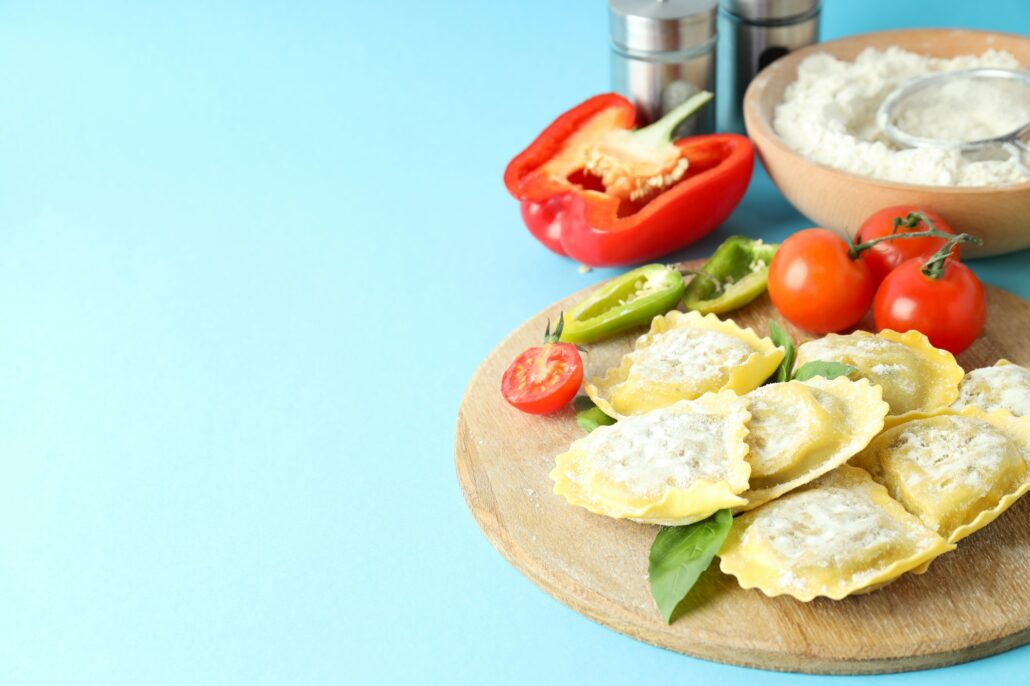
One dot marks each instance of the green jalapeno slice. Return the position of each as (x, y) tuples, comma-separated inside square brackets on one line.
[(630, 300), (734, 276)]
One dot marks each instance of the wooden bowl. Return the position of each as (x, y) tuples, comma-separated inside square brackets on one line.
[(840, 200)]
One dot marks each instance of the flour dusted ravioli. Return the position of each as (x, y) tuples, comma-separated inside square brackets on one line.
[(682, 357), (1004, 386), (955, 470), (675, 465), (914, 375), (800, 430), (839, 535)]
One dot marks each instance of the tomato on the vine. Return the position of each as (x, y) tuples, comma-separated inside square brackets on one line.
[(946, 302), (816, 283), (885, 256), (544, 378)]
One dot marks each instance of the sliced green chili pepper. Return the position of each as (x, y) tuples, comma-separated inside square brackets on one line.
[(633, 299), (734, 276), (589, 416)]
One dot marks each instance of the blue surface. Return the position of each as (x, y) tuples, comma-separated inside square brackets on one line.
[(251, 255)]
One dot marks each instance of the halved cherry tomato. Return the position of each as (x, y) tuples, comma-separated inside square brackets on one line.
[(886, 256), (543, 379), (816, 284), (950, 309)]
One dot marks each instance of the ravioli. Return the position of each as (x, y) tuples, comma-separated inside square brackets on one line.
[(682, 357), (955, 470), (914, 375), (673, 466), (839, 535), (800, 430), (1004, 386)]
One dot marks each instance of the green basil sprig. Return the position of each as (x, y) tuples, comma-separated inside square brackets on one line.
[(680, 554), (786, 371), (782, 340), (831, 370)]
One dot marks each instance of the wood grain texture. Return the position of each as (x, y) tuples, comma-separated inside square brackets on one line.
[(841, 201), (972, 602)]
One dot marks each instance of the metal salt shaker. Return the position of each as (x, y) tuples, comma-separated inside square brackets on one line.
[(755, 33), (663, 51)]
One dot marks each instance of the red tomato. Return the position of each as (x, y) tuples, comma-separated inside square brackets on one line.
[(544, 378), (887, 255), (814, 282), (950, 310)]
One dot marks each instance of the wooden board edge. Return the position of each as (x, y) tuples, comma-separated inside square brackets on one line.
[(477, 494), (564, 590)]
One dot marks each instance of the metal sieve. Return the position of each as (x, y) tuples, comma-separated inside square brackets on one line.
[(1012, 142)]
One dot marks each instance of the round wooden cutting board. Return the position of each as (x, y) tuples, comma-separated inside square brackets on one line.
[(973, 602)]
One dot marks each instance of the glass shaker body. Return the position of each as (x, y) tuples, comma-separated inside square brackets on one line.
[(662, 52), (656, 86), (754, 33)]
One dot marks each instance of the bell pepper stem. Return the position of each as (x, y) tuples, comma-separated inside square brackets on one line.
[(660, 132)]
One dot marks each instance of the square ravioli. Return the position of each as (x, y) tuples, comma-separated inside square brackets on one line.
[(955, 470), (1005, 386), (801, 430), (839, 535), (914, 375), (682, 357), (672, 466)]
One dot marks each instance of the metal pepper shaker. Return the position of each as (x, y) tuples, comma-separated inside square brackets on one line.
[(663, 51), (755, 33)]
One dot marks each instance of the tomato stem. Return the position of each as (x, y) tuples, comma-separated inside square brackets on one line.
[(933, 232), (938, 262), (553, 337), (912, 221)]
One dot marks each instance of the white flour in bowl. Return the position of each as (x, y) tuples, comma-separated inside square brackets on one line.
[(829, 115), (943, 112)]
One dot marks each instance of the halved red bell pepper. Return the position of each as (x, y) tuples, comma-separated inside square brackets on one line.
[(593, 191)]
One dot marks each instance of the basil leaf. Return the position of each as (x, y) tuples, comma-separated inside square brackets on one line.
[(680, 554), (831, 370), (589, 416), (782, 340)]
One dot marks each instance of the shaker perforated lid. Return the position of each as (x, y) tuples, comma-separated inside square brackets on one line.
[(770, 10), (662, 25)]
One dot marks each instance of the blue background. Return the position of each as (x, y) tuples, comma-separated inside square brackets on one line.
[(251, 254)]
